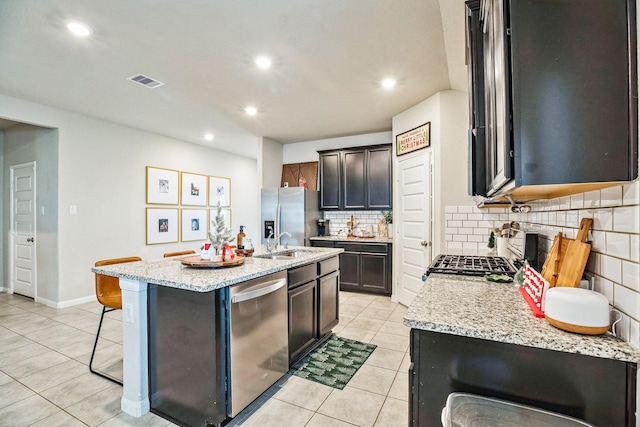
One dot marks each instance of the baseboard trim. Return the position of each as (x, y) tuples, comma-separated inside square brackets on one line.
[(65, 304)]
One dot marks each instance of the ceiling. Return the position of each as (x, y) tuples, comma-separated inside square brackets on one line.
[(329, 57)]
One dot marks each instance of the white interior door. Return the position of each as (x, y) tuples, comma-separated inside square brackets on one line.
[(23, 226), (414, 223)]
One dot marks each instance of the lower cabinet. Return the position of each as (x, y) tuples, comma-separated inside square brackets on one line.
[(313, 305), (303, 325), (365, 267), (187, 356), (598, 390)]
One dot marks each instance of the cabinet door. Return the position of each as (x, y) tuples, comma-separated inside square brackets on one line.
[(330, 180), (349, 271), (322, 243), (328, 299), (353, 167), (379, 178), (375, 273), (303, 325)]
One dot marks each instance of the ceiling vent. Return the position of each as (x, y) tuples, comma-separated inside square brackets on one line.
[(145, 81)]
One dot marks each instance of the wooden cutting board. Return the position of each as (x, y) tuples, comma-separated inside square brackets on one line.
[(567, 258), (573, 264)]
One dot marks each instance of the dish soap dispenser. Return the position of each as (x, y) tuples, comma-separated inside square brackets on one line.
[(240, 238)]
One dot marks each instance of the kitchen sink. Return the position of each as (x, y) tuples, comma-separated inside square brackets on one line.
[(283, 256)]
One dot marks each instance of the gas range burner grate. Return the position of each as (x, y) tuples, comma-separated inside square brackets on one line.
[(470, 265)]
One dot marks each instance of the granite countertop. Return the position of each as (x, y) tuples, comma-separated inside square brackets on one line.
[(472, 307), (354, 239), (171, 272)]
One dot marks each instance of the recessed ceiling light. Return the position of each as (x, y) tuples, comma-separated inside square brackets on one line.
[(208, 136), (252, 111), (388, 83), (78, 29), (263, 62)]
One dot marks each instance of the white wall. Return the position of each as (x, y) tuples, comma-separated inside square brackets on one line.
[(270, 155), (102, 172), (447, 111)]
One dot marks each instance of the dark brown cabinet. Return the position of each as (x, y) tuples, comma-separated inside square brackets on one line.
[(364, 267), (598, 390), (313, 305), (356, 178), (551, 82)]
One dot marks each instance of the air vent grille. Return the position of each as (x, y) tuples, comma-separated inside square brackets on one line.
[(145, 81)]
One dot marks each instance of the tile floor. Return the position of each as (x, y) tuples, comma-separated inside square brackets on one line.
[(45, 379)]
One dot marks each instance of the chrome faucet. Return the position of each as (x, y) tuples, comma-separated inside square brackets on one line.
[(276, 241)]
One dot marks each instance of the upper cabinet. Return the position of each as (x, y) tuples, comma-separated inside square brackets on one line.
[(553, 96), (356, 178)]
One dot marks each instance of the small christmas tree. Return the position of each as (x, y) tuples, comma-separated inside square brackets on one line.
[(219, 234), (492, 241)]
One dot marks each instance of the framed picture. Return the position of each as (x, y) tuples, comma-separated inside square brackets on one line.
[(194, 189), (219, 191), (162, 226), (414, 139), (162, 186), (226, 214), (194, 224)]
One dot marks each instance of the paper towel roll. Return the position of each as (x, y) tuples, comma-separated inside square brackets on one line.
[(503, 247)]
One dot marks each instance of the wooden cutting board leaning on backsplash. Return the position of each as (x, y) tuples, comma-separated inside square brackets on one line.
[(567, 258)]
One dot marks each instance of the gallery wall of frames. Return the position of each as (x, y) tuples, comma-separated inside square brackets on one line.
[(184, 203)]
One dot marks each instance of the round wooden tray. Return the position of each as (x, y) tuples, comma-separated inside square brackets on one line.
[(196, 261)]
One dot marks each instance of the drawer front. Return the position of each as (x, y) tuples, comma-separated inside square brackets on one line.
[(379, 248), (322, 243), (297, 276), (327, 266)]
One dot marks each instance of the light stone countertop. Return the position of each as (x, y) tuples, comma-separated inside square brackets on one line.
[(354, 239), (472, 307), (171, 272)]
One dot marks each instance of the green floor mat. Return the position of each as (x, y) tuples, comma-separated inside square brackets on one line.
[(334, 363)]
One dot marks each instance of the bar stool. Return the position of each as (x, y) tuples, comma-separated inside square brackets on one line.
[(170, 254), (110, 296)]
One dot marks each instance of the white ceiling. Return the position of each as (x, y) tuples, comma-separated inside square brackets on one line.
[(329, 57)]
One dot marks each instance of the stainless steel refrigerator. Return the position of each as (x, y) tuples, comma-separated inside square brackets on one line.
[(297, 209)]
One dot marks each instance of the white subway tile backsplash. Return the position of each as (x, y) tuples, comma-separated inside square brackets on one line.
[(561, 219), (618, 245), (475, 217), (611, 196), (564, 203), (454, 223), (577, 201), (460, 217), (465, 209), (599, 242), (631, 275), (627, 219), (592, 199), (470, 224), (465, 231), (451, 209), (626, 300), (603, 219), (635, 247), (448, 216), (611, 268), (605, 287), (631, 193), (459, 238), (634, 333)]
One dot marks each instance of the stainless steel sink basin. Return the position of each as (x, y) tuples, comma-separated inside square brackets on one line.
[(283, 256)]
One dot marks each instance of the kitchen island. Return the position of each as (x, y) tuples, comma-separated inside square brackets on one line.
[(199, 285), (470, 335)]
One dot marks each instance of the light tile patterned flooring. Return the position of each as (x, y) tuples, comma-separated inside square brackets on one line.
[(45, 379)]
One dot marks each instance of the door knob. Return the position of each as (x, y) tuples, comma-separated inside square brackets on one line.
[(30, 240), (425, 243)]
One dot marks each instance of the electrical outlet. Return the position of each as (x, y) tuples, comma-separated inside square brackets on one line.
[(269, 227), (128, 313)]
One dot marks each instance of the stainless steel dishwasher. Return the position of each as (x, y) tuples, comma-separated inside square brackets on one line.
[(258, 340)]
